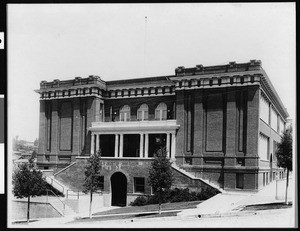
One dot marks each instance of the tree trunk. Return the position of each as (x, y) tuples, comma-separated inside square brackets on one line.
[(159, 203), (286, 188), (28, 209), (91, 198)]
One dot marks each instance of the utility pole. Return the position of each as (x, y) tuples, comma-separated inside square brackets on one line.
[(145, 43)]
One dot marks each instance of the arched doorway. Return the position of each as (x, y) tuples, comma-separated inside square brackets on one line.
[(118, 189)]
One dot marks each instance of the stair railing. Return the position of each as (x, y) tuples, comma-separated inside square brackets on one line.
[(56, 182), (64, 169), (73, 194), (64, 205)]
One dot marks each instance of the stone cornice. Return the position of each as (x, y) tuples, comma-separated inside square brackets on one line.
[(197, 82), (218, 69), (199, 77), (73, 83), (272, 96)]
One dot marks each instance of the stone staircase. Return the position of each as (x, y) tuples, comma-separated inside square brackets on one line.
[(59, 186), (191, 176), (62, 207), (61, 203)]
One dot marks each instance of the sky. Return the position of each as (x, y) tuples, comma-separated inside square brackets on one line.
[(113, 41)]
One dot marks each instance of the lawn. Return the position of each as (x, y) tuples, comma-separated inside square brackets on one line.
[(147, 211), (152, 208), (267, 206)]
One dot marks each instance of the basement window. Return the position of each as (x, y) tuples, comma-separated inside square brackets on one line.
[(101, 183), (139, 184)]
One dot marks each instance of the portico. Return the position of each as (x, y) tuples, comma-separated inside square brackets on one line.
[(134, 139)]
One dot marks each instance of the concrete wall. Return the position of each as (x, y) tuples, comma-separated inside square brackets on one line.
[(37, 210)]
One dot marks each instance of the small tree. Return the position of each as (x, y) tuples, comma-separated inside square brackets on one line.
[(32, 159), (28, 182), (36, 142), (285, 156), (92, 177), (160, 175)]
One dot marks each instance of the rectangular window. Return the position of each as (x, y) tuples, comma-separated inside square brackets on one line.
[(274, 150), (139, 184), (263, 147), (145, 115), (240, 161), (264, 109), (139, 115), (274, 119), (281, 126), (101, 182)]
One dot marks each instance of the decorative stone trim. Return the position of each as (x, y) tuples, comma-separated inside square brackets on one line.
[(217, 82)]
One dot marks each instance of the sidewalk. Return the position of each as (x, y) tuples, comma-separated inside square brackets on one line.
[(232, 202)]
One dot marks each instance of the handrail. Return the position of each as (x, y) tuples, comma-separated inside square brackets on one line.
[(64, 205), (70, 165), (73, 194), (57, 182)]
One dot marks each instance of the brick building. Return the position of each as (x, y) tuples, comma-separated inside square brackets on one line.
[(220, 125)]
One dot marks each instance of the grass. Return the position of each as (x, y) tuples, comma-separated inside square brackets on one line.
[(267, 206), (147, 211), (152, 208)]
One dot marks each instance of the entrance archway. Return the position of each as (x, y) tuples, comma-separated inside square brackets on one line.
[(118, 189)]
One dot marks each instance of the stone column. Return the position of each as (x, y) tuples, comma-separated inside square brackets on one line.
[(116, 145), (141, 145), (146, 145), (92, 143), (97, 142), (121, 145), (173, 146), (168, 145)]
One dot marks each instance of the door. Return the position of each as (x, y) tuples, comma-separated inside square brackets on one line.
[(119, 189)]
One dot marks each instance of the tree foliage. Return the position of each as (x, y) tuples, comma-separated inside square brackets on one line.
[(92, 177), (160, 174), (28, 182), (284, 150), (92, 173)]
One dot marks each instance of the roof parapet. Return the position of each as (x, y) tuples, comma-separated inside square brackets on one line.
[(230, 67)]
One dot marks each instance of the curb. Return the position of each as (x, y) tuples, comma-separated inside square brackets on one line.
[(235, 214)]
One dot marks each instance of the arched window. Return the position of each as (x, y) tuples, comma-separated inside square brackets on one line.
[(142, 112), (125, 113), (161, 112)]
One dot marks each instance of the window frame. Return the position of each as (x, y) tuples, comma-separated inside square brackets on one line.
[(139, 184), (161, 111), (125, 113), (143, 111)]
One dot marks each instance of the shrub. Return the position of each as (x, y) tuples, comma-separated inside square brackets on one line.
[(175, 195), (140, 201), (207, 193)]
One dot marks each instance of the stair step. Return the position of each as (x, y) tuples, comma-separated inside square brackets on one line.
[(183, 171)]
